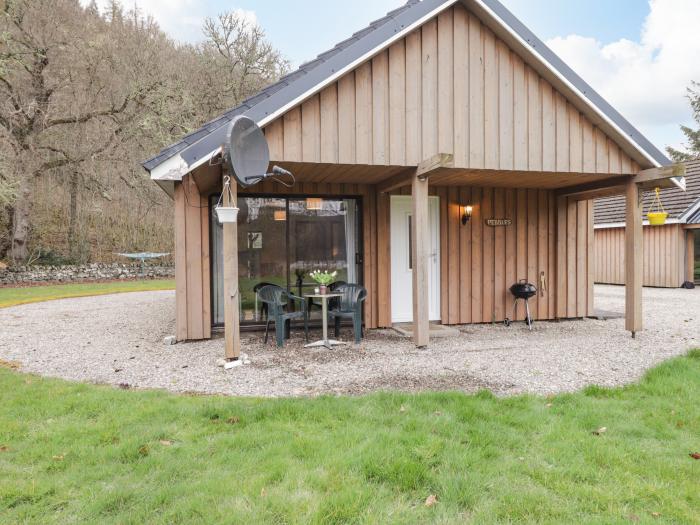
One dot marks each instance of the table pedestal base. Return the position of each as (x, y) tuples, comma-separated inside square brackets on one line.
[(328, 343)]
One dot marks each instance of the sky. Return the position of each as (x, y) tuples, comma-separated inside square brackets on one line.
[(638, 54)]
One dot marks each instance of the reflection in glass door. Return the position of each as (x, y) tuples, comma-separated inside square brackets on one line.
[(280, 241), (322, 235)]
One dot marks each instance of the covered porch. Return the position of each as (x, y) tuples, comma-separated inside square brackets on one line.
[(522, 225)]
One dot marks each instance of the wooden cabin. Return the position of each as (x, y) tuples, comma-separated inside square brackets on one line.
[(391, 135), (671, 252)]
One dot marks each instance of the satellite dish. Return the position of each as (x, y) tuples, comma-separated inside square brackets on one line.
[(246, 151)]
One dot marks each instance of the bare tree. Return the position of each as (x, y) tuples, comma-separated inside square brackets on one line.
[(84, 97), (239, 59), (65, 99)]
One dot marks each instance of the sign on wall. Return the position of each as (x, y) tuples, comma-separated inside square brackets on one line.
[(499, 222)]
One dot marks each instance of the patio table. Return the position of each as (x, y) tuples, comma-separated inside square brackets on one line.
[(328, 343)]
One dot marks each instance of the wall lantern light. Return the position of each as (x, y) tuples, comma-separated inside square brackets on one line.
[(280, 215), (466, 213)]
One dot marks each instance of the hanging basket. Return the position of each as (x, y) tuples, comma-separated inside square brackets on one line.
[(657, 218), (226, 214), (656, 214)]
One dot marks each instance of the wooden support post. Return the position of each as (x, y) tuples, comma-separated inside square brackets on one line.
[(420, 247), (633, 258), (232, 328)]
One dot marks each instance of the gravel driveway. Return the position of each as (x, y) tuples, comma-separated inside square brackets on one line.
[(117, 339)]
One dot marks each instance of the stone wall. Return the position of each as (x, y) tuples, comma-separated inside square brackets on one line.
[(83, 272)]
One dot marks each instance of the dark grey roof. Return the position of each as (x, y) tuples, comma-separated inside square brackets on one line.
[(211, 135), (676, 202), (695, 218)]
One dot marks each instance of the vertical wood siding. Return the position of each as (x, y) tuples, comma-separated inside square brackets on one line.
[(664, 256), (450, 86), (479, 263), (548, 239), (192, 282)]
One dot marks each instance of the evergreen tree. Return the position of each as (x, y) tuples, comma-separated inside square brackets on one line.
[(692, 136)]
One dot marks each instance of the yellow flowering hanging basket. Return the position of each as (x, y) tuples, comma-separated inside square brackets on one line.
[(657, 215)]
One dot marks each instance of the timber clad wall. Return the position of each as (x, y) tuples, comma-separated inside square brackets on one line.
[(664, 255), (192, 282), (449, 87), (479, 262)]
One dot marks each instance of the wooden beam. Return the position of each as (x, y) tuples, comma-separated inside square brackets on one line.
[(420, 247), (660, 177), (595, 189), (691, 226), (397, 181), (232, 329), (440, 160), (429, 167), (633, 258), (598, 194)]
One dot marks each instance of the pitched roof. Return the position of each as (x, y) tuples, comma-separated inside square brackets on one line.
[(410, 11), (611, 210), (294, 87)]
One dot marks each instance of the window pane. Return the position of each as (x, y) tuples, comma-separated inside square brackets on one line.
[(280, 241), (262, 257), (322, 235)]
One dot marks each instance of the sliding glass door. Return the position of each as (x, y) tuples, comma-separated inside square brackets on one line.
[(280, 241)]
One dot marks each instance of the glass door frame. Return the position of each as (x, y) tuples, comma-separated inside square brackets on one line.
[(213, 199)]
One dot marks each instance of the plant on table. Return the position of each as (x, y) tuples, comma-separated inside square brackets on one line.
[(324, 278)]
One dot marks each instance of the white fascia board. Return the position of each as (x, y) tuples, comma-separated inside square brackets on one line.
[(622, 224), (172, 169), (566, 81)]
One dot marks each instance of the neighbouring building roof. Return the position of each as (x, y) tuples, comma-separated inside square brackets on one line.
[(682, 206), (291, 89)]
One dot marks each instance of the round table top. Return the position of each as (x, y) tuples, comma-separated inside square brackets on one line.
[(322, 296)]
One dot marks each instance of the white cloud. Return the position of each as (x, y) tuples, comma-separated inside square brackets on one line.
[(646, 81), (181, 19)]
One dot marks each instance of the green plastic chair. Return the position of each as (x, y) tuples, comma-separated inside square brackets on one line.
[(277, 301), (349, 306)]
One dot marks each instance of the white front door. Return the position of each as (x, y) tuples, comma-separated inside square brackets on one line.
[(401, 260)]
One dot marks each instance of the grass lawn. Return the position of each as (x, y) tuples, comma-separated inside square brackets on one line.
[(81, 453), (33, 294)]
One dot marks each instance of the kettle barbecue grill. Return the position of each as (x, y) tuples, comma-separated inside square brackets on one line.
[(522, 290)]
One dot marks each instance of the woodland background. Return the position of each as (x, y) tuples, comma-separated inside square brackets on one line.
[(85, 96)]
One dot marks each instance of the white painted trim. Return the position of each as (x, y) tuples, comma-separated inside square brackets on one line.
[(173, 168), (563, 79), (622, 224)]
